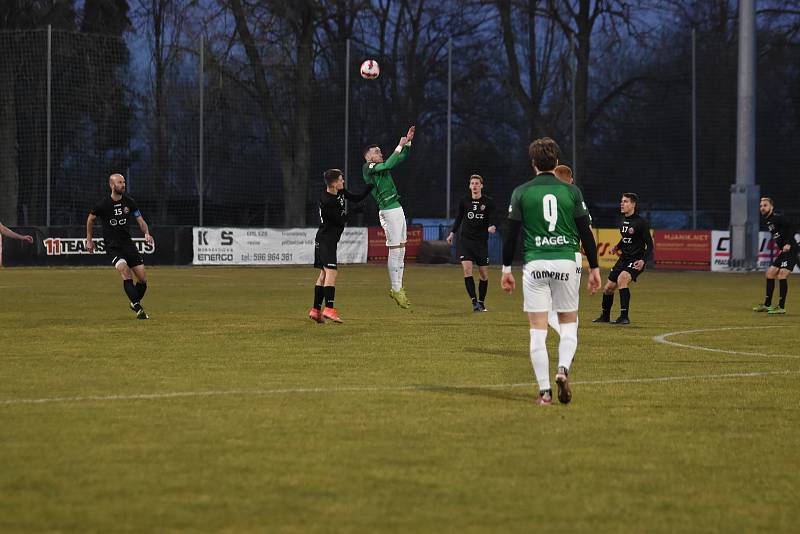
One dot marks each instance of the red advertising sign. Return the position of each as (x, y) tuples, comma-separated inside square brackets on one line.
[(687, 250), (377, 250)]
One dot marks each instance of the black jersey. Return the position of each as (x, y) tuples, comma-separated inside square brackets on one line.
[(115, 216), (635, 242), (475, 216), (332, 213), (782, 230)]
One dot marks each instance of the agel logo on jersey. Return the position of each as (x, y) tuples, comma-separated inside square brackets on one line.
[(555, 240)]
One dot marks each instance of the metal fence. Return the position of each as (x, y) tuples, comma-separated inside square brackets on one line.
[(196, 148)]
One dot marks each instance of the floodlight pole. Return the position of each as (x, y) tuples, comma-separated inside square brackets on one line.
[(48, 156), (449, 122), (744, 220), (200, 134), (346, 107)]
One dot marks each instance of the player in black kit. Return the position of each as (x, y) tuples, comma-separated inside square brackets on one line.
[(475, 219), (332, 218), (115, 211), (783, 235), (636, 246)]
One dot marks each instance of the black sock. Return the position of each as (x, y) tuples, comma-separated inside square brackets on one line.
[(784, 285), (770, 290), (470, 283), (133, 295), (329, 294), (483, 285), (141, 287), (319, 296), (608, 301), (624, 301)]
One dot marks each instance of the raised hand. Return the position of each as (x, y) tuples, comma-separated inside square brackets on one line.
[(410, 134)]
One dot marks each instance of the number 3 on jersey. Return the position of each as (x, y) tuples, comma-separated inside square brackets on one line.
[(550, 210)]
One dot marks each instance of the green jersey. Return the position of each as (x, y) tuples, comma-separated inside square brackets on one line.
[(385, 192), (547, 208)]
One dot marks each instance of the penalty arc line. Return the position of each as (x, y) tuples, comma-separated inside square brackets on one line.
[(663, 339), (373, 389)]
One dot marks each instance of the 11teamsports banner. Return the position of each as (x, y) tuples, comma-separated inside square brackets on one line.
[(268, 246), (66, 246), (685, 250)]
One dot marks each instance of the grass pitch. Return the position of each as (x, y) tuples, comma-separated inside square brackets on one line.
[(231, 411)]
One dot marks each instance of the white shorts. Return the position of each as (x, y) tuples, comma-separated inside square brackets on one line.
[(393, 222), (550, 285), (578, 270)]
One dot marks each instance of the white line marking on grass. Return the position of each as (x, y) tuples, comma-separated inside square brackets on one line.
[(372, 389), (663, 339)]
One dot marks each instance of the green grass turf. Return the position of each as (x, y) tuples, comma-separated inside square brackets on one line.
[(394, 421)]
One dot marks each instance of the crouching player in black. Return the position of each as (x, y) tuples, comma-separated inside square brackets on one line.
[(114, 211), (636, 246), (783, 235), (332, 218), (475, 219)]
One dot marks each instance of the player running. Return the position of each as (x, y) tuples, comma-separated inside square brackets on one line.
[(555, 223), (475, 219), (11, 234), (114, 211), (636, 245), (783, 235), (390, 212), (332, 218)]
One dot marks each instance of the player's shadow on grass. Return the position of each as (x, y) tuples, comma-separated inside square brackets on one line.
[(497, 394)]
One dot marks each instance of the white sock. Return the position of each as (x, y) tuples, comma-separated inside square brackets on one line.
[(392, 263), (568, 344), (539, 358), (401, 264), (552, 320)]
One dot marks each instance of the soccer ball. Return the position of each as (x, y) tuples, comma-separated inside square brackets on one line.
[(370, 69)]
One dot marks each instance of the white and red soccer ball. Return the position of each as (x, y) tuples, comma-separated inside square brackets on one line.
[(370, 69)]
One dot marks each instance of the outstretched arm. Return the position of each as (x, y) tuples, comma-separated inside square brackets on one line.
[(8, 232), (353, 197)]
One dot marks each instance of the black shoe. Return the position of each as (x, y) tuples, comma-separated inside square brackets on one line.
[(476, 307), (562, 381), (622, 319), (482, 306), (134, 309), (604, 318), (141, 315)]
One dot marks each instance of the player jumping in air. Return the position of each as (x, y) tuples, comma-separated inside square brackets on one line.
[(393, 219), (555, 223), (332, 218), (114, 211), (783, 235), (11, 234), (636, 246), (475, 219)]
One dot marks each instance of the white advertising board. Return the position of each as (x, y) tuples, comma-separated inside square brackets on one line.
[(270, 246), (721, 250)]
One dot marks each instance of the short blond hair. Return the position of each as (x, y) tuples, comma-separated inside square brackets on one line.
[(476, 177), (767, 199)]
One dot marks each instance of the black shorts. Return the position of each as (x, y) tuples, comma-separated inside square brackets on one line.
[(786, 260), (626, 265), (124, 251), (474, 250), (325, 254)]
